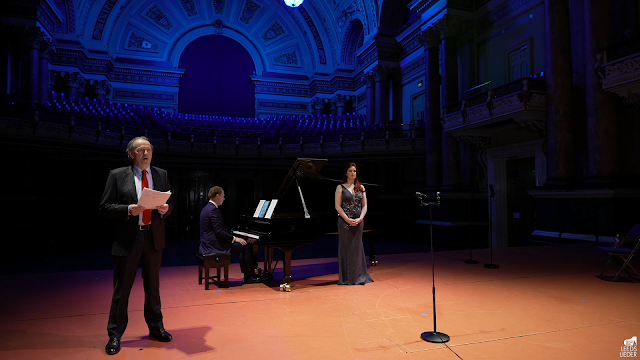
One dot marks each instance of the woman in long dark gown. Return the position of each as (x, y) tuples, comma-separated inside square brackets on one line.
[(351, 204)]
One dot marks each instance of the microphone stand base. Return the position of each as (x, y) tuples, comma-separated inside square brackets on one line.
[(492, 266), (435, 337), (471, 261)]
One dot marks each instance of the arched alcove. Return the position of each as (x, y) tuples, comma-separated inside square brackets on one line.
[(217, 78), (354, 37)]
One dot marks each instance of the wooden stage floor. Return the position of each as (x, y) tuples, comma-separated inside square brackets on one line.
[(544, 302)]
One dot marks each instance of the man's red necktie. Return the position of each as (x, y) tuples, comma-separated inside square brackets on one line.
[(146, 214)]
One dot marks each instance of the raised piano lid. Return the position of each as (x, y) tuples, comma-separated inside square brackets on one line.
[(316, 189)]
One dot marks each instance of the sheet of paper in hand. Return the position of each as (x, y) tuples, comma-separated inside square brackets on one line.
[(152, 199)]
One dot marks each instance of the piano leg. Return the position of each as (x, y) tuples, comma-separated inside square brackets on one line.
[(268, 259), (286, 279), (372, 237)]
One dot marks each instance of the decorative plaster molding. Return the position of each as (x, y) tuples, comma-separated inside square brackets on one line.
[(322, 57), (273, 32), (189, 7), (504, 11), (101, 21), (416, 65), (287, 59), (158, 16), (106, 67), (218, 6), (327, 31), (249, 11)]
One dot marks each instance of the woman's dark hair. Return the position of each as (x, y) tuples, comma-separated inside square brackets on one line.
[(356, 183)]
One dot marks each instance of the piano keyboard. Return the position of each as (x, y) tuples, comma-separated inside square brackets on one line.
[(241, 234)]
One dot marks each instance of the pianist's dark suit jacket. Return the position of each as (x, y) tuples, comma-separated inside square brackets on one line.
[(119, 192), (213, 235)]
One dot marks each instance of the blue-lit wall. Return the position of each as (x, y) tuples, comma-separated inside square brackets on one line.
[(217, 78)]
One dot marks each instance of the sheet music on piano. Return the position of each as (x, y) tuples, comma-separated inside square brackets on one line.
[(265, 209), (258, 209), (271, 208)]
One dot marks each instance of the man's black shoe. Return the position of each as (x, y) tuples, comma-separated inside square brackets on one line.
[(253, 280), (113, 346), (266, 276), (160, 335)]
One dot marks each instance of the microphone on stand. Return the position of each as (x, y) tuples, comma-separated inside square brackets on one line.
[(432, 336), (470, 260), (491, 265)]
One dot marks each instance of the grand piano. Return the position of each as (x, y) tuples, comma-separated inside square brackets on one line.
[(304, 209)]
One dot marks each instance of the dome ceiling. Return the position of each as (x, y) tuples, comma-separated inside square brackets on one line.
[(280, 39)]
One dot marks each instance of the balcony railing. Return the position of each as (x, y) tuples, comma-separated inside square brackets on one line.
[(28, 123), (619, 69), (521, 100)]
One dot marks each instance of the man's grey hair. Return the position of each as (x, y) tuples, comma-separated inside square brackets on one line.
[(130, 144)]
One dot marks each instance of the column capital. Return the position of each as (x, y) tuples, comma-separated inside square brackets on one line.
[(455, 26), (381, 72), (317, 103), (53, 75), (340, 100), (46, 48), (30, 36), (429, 38), (74, 79), (368, 79), (103, 87)]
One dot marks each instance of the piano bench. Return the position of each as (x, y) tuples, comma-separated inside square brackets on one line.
[(216, 261)]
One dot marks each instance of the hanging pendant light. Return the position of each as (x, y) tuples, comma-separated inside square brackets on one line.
[(293, 3)]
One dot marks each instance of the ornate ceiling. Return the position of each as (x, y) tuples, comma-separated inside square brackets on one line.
[(313, 38)]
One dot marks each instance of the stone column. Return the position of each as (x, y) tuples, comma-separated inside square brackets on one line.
[(103, 90), (333, 108), (602, 120), (82, 86), (371, 98), (449, 27), (430, 39), (5, 45), (318, 105), (340, 102), (381, 75), (30, 62), (396, 97), (46, 48), (561, 152), (73, 83)]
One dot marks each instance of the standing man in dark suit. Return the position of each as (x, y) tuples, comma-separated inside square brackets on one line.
[(214, 238), (139, 236)]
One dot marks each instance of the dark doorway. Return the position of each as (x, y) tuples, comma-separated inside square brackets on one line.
[(521, 177)]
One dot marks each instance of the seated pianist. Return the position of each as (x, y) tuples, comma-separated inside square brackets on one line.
[(214, 239)]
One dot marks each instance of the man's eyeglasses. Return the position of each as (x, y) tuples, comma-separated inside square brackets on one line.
[(142, 151)]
